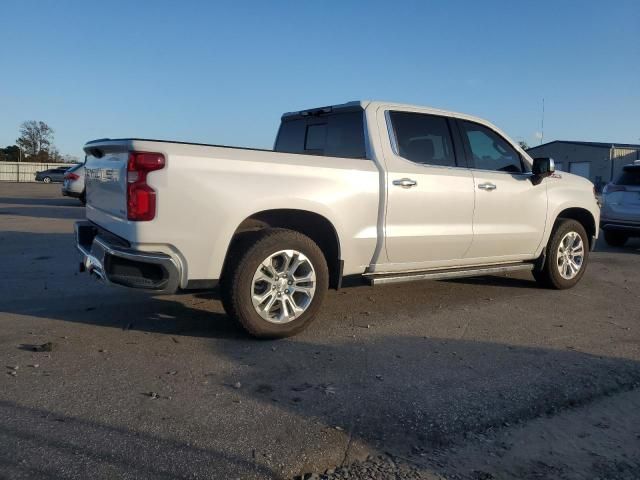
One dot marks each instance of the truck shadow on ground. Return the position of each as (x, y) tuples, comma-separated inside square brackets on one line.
[(43, 202), (79, 448), (44, 211), (406, 395)]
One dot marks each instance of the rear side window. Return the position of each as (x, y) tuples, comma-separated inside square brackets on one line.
[(489, 150), (630, 177), (424, 139), (333, 135)]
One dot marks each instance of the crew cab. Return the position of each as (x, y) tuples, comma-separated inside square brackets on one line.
[(366, 191)]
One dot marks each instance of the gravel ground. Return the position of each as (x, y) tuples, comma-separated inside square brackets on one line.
[(478, 378)]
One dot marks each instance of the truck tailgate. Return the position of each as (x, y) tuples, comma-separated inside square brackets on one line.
[(106, 185)]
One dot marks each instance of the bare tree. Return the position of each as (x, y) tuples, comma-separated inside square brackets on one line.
[(36, 138), (54, 155), (523, 144)]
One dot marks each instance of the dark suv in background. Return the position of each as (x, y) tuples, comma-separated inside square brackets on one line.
[(620, 214)]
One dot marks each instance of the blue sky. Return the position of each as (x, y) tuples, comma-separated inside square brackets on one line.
[(223, 72)]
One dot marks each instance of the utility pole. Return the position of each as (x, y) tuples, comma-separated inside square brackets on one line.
[(542, 125), (18, 166)]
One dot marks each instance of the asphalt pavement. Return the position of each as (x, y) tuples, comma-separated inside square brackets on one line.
[(489, 377)]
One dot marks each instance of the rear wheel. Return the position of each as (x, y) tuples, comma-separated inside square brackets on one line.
[(566, 256), (615, 239), (46, 179), (275, 285), (83, 197)]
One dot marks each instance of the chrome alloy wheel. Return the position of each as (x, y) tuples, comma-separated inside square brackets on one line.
[(570, 255), (283, 286)]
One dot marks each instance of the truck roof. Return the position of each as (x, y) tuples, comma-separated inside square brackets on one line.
[(375, 104)]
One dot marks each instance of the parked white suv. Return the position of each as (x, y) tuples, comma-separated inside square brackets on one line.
[(73, 183), (380, 192), (621, 207)]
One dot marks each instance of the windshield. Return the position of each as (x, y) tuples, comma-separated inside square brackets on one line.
[(630, 176)]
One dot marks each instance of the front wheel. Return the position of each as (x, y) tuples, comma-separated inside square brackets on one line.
[(46, 180), (567, 255), (615, 239), (275, 286)]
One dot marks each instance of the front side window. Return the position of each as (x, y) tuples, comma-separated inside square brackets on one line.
[(489, 150), (424, 139)]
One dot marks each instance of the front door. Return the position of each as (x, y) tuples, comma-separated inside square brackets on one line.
[(510, 212), (430, 201)]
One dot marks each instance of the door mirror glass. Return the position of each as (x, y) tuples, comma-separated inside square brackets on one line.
[(542, 168), (543, 165)]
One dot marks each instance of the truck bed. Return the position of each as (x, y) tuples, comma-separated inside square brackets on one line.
[(205, 191)]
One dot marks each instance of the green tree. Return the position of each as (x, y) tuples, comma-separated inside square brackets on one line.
[(11, 153)]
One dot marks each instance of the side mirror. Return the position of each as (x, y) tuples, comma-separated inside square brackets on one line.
[(542, 168)]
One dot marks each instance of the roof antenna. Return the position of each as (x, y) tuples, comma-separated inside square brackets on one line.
[(542, 123)]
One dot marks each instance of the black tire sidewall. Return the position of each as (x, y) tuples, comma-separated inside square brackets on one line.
[(239, 294), (553, 275)]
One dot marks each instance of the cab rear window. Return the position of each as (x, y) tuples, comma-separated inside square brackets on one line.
[(630, 176), (332, 135)]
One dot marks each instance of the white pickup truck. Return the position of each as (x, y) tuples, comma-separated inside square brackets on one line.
[(374, 191)]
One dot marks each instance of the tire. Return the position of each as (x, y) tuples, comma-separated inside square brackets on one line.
[(242, 283), (46, 179), (550, 275), (615, 239), (83, 197)]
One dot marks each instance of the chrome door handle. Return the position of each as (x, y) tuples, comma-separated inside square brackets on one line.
[(405, 183), (487, 186)]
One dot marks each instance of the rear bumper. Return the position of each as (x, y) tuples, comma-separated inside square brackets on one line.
[(114, 262)]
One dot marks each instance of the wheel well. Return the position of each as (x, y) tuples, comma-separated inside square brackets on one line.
[(584, 217), (313, 225)]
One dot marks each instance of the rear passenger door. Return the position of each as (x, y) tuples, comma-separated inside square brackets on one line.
[(430, 196), (510, 212)]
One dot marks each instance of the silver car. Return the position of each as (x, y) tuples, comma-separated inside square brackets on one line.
[(73, 183), (620, 215)]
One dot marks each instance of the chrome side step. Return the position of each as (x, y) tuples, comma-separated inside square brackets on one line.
[(388, 278)]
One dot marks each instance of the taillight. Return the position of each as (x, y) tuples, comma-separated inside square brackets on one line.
[(141, 198), (71, 176), (612, 187)]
